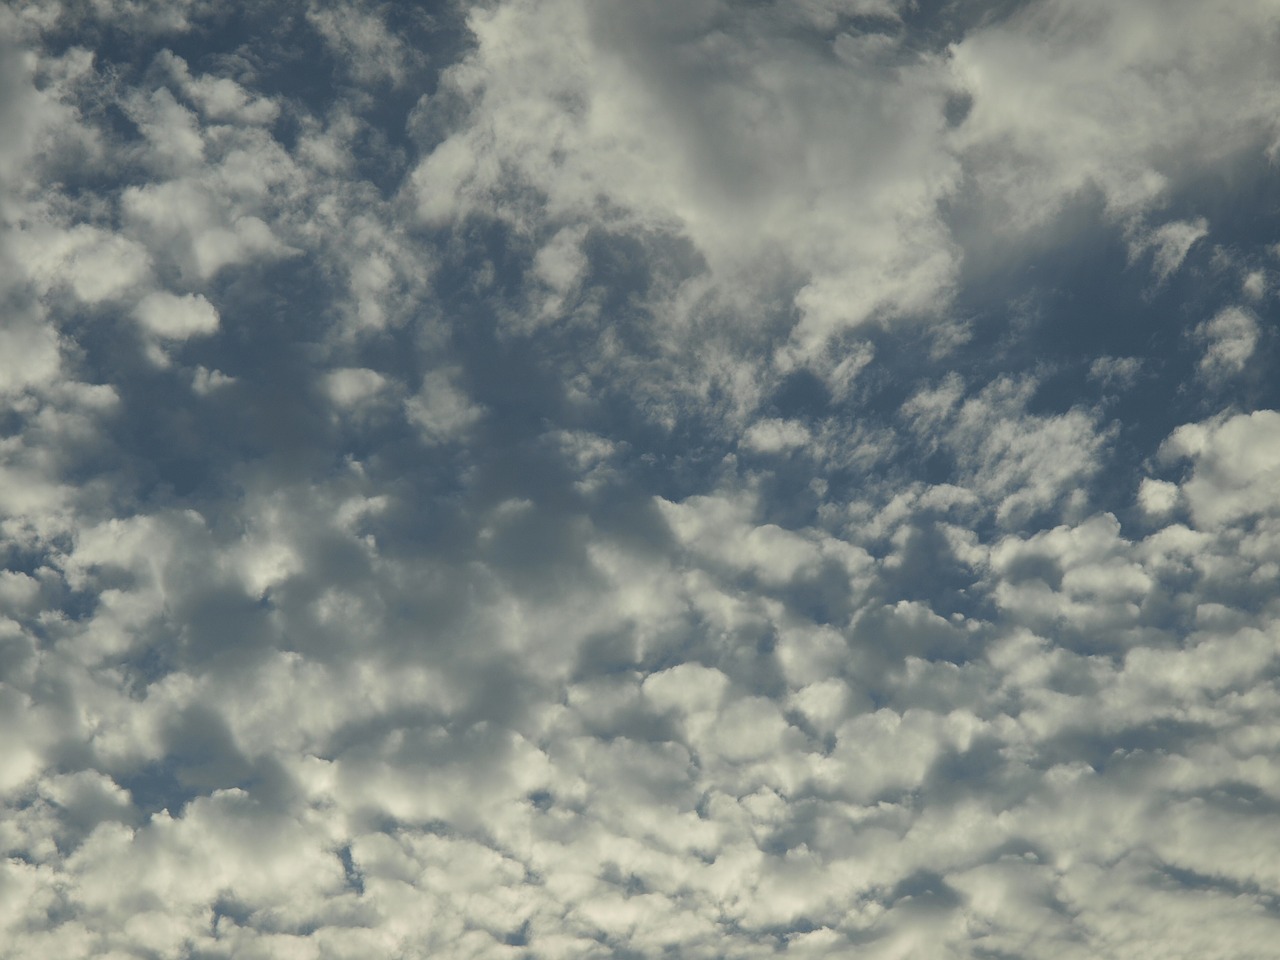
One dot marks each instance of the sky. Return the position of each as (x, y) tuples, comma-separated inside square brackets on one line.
[(701, 479)]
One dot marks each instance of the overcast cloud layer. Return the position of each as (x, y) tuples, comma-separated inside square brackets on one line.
[(640, 478)]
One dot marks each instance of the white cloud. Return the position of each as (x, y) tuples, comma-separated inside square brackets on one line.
[(560, 263), (1020, 462), (1169, 245), (172, 132), (776, 436), (184, 220), (1236, 466), (173, 317), (205, 381), (687, 687), (220, 98), (141, 16), (352, 386), (95, 264), (37, 119), (1157, 497), (1255, 284), (28, 354), (931, 407), (1115, 372), (1231, 338), (441, 410)]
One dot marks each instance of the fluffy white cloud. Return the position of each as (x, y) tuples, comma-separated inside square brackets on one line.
[(95, 264), (30, 354), (1157, 497), (173, 317), (774, 436), (1236, 460)]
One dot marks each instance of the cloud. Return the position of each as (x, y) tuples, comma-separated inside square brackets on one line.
[(1231, 338), (1234, 461), (1157, 496), (773, 436), (1115, 371), (711, 126), (351, 387), (31, 355), (440, 409), (1128, 102), (1021, 462), (363, 38), (1169, 245), (219, 98), (550, 480), (176, 318), (95, 264)]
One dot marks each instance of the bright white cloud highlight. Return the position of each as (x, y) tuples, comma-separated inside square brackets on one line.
[(174, 317)]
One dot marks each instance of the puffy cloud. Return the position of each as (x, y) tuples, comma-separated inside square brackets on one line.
[(95, 264), (30, 352), (1235, 463), (1254, 285), (1157, 497), (773, 436), (440, 408), (219, 98), (173, 317), (351, 387)]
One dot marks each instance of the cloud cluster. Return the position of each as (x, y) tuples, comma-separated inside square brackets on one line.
[(554, 479)]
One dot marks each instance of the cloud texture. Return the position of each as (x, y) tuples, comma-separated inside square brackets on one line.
[(548, 479)]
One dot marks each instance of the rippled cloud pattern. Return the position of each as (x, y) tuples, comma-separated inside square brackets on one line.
[(555, 479)]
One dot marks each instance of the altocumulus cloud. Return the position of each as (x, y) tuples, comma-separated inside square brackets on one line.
[(554, 479)]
